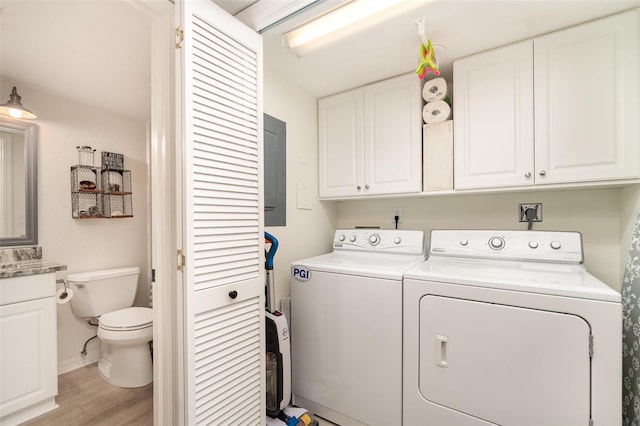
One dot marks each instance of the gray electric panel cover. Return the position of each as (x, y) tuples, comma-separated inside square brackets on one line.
[(275, 167)]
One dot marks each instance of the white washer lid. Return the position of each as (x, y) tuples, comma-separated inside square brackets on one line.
[(376, 265), (128, 318)]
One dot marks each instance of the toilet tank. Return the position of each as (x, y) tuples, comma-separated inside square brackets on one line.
[(98, 292)]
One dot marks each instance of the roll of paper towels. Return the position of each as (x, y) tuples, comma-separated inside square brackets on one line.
[(434, 90), (63, 296), (436, 112)]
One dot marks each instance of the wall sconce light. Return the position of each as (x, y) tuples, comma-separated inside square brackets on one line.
[(14, 108)]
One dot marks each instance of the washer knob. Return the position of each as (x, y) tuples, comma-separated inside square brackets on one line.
[(533, 244), (496, 243), (341, 237), (397, 240), (464, 242), (555, 245), (374, 239), (352, 238)]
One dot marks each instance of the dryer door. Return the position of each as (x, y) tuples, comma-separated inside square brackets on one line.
[(505, 364)]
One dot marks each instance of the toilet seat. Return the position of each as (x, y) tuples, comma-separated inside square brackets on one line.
[(128, 319)]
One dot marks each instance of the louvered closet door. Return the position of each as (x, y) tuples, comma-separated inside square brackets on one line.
[(223, 276)]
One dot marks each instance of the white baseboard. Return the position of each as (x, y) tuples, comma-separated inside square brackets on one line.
[(77, 362)]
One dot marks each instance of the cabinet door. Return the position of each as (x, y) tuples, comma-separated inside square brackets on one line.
[(586, 93), (393, 136), (28, 354), (341, 144), (493, 118)]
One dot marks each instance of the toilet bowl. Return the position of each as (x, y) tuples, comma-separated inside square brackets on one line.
[(125, 331), (126, 356)]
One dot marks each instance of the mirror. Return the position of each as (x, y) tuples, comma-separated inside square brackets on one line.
[(18, 192)]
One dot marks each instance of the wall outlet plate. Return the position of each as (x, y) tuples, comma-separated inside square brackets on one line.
[(396, 211), (522, 212)]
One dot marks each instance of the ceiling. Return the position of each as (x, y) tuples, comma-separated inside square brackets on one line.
[(97, 51)]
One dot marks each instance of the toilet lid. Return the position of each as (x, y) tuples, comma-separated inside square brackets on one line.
[(127, 319)]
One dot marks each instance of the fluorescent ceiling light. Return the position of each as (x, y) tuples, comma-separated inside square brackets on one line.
[(344, 20), (262, 15)]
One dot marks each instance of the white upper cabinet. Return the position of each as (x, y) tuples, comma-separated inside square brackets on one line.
[(493, 124), (586, 102), (370, 140), (559, 109), (341, 134)]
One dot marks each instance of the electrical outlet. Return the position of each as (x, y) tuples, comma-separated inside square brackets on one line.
[(396, 211), (522, 212)]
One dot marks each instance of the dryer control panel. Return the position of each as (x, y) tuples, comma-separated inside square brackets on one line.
[(534, 246), (380, 240)]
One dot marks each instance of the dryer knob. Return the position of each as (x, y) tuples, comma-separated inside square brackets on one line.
[(555, 245), (374, 239), (352, 238), (464, 242), (397, 240), (341, 237), (533, 244)]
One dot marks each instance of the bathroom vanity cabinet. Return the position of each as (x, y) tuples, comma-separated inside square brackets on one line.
[(28, 353)]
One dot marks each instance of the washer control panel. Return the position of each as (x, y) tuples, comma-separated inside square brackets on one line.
[(380, 240), (538, 246)]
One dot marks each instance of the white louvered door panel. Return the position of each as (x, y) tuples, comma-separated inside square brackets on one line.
[(222, 220)]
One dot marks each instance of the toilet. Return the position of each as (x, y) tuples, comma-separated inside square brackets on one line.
[(124, 331)]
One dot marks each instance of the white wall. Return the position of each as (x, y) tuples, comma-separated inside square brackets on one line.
[(594, 213), (86, 244), (308, 232)]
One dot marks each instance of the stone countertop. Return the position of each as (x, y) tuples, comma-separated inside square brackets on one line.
[(29, 267)]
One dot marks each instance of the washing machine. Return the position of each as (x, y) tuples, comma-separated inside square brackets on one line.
[(346, 326), (508, 328)]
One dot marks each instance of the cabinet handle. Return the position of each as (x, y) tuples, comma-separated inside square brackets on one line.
[(359, 187), (527, 175), (543, 172), (233, 294), (366, 186)]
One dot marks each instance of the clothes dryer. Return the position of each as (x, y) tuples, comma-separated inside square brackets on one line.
[(508, 328), (346, 326)]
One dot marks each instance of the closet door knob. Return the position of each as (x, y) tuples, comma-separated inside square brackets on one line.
[(233, 294), (543, 172)]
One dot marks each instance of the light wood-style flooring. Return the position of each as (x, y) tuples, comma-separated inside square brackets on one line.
[(86, 399)]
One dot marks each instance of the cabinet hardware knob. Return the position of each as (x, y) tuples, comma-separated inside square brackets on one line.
[(543, 172), (359, 187), (366, 186), (233, 294), (527, 174)]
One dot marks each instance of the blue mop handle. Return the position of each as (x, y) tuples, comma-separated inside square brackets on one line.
[(272, 251)]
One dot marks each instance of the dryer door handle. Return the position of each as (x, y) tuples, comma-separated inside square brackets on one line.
[(441, 350)]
